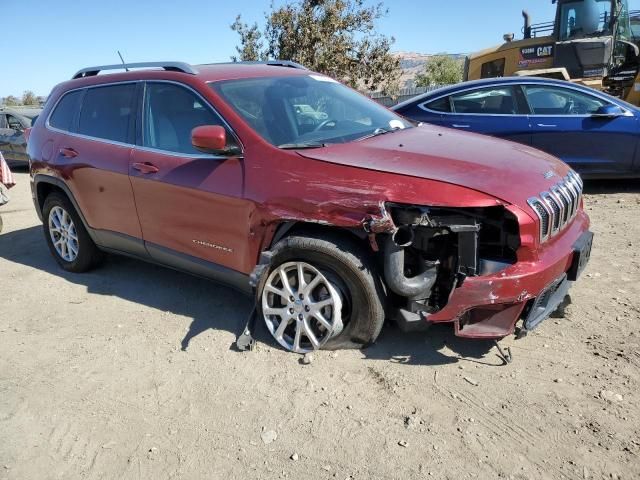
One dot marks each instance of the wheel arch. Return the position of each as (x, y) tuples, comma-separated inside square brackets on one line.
[(44, 185), (290, 228)]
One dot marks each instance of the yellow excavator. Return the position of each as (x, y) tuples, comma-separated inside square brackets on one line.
[(591, 42)]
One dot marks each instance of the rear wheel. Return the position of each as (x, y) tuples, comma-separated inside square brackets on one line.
[(68, 240), (321, 293)]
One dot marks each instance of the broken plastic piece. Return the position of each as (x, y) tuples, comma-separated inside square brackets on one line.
[(505, 355), (245, 341)]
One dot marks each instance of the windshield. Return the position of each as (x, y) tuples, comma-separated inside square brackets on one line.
[(585, 18), (635, 27), (624, 22), (306, 111)]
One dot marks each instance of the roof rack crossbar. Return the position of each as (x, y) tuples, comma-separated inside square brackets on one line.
[(170, 66)]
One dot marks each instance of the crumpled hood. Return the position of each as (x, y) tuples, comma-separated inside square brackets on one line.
[(505, 170)]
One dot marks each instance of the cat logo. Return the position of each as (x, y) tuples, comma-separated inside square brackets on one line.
[(545, 51)]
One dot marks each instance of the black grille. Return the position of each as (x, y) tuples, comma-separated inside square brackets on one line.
[(544, 217), (553, 204)]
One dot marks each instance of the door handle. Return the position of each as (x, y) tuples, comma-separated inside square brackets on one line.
[(68, 152), (544, 125), (457, 125), (145, 167)]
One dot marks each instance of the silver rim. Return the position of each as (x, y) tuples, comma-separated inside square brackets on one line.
[(63, 234), (301, 308)]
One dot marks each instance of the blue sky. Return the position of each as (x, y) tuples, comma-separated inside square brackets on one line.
[(46, 41)]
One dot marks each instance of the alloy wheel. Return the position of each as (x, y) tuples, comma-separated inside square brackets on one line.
[(63, 234), (301, 307)]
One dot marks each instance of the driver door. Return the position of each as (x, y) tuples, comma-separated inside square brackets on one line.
[(190, 204), (562, 124)]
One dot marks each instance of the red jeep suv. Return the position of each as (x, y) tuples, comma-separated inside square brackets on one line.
[(331, 211)]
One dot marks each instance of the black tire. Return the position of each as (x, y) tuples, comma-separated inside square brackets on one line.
[(350, 269), (88, 254)]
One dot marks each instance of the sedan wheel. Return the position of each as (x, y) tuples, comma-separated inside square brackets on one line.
[(301, 307)]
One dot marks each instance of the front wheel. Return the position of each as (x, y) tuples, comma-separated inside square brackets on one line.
[(321, 293)]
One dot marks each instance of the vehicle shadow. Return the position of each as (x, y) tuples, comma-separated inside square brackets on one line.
[(596, 187), (214, 306), (209, 305), (436, 346)]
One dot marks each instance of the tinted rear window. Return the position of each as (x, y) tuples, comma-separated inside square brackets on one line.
[(107, 112), (440, 105), (64, 113)]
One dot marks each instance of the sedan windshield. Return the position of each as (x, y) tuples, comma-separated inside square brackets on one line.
[(307, 111)]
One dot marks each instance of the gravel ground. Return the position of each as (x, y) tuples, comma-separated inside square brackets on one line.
[(128, 372)]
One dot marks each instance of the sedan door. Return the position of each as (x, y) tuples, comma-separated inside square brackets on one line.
[(189, 203), (12, 141), (495, 110), (5, 135), (565, 124)]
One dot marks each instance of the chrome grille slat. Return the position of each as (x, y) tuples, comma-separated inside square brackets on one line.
[(555, 211), (571, 188), (575, 194), (555, 192), (556, 207)]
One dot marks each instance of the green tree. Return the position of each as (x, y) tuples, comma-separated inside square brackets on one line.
[(11, 101), (29, 98), (440, 70), (334, 37)]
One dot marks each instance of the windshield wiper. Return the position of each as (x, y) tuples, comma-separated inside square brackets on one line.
[(299, 146), (379, 131)]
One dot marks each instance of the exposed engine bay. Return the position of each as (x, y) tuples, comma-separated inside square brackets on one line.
[(433, 250)]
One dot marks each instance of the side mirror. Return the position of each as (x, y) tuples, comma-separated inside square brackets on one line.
[(608, 111), (211, 139)]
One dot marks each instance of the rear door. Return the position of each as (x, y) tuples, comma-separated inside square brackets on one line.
[(563, 125), (93, 151), (189, 203), (495, 110)]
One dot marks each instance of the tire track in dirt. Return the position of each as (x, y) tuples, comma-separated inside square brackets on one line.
[(73, 448), (501, 425)]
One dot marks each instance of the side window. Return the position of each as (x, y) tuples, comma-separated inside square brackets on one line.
[(107, 112), (439, 105), (65, 111), (487, 101), (171, 112), (545, 100), (3, 120), (493, 69)]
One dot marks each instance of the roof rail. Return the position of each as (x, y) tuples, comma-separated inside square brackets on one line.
[(285, 63), (273, 63), (169, 66)]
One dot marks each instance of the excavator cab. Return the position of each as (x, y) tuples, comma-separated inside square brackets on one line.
[(589, 41), (593, 37)]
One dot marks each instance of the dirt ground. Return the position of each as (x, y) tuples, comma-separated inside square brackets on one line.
[(128, 372)]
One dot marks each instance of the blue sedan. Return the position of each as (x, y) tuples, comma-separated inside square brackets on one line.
[(593, 132)]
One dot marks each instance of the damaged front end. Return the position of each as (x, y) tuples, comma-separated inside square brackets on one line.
[(431, 251)]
